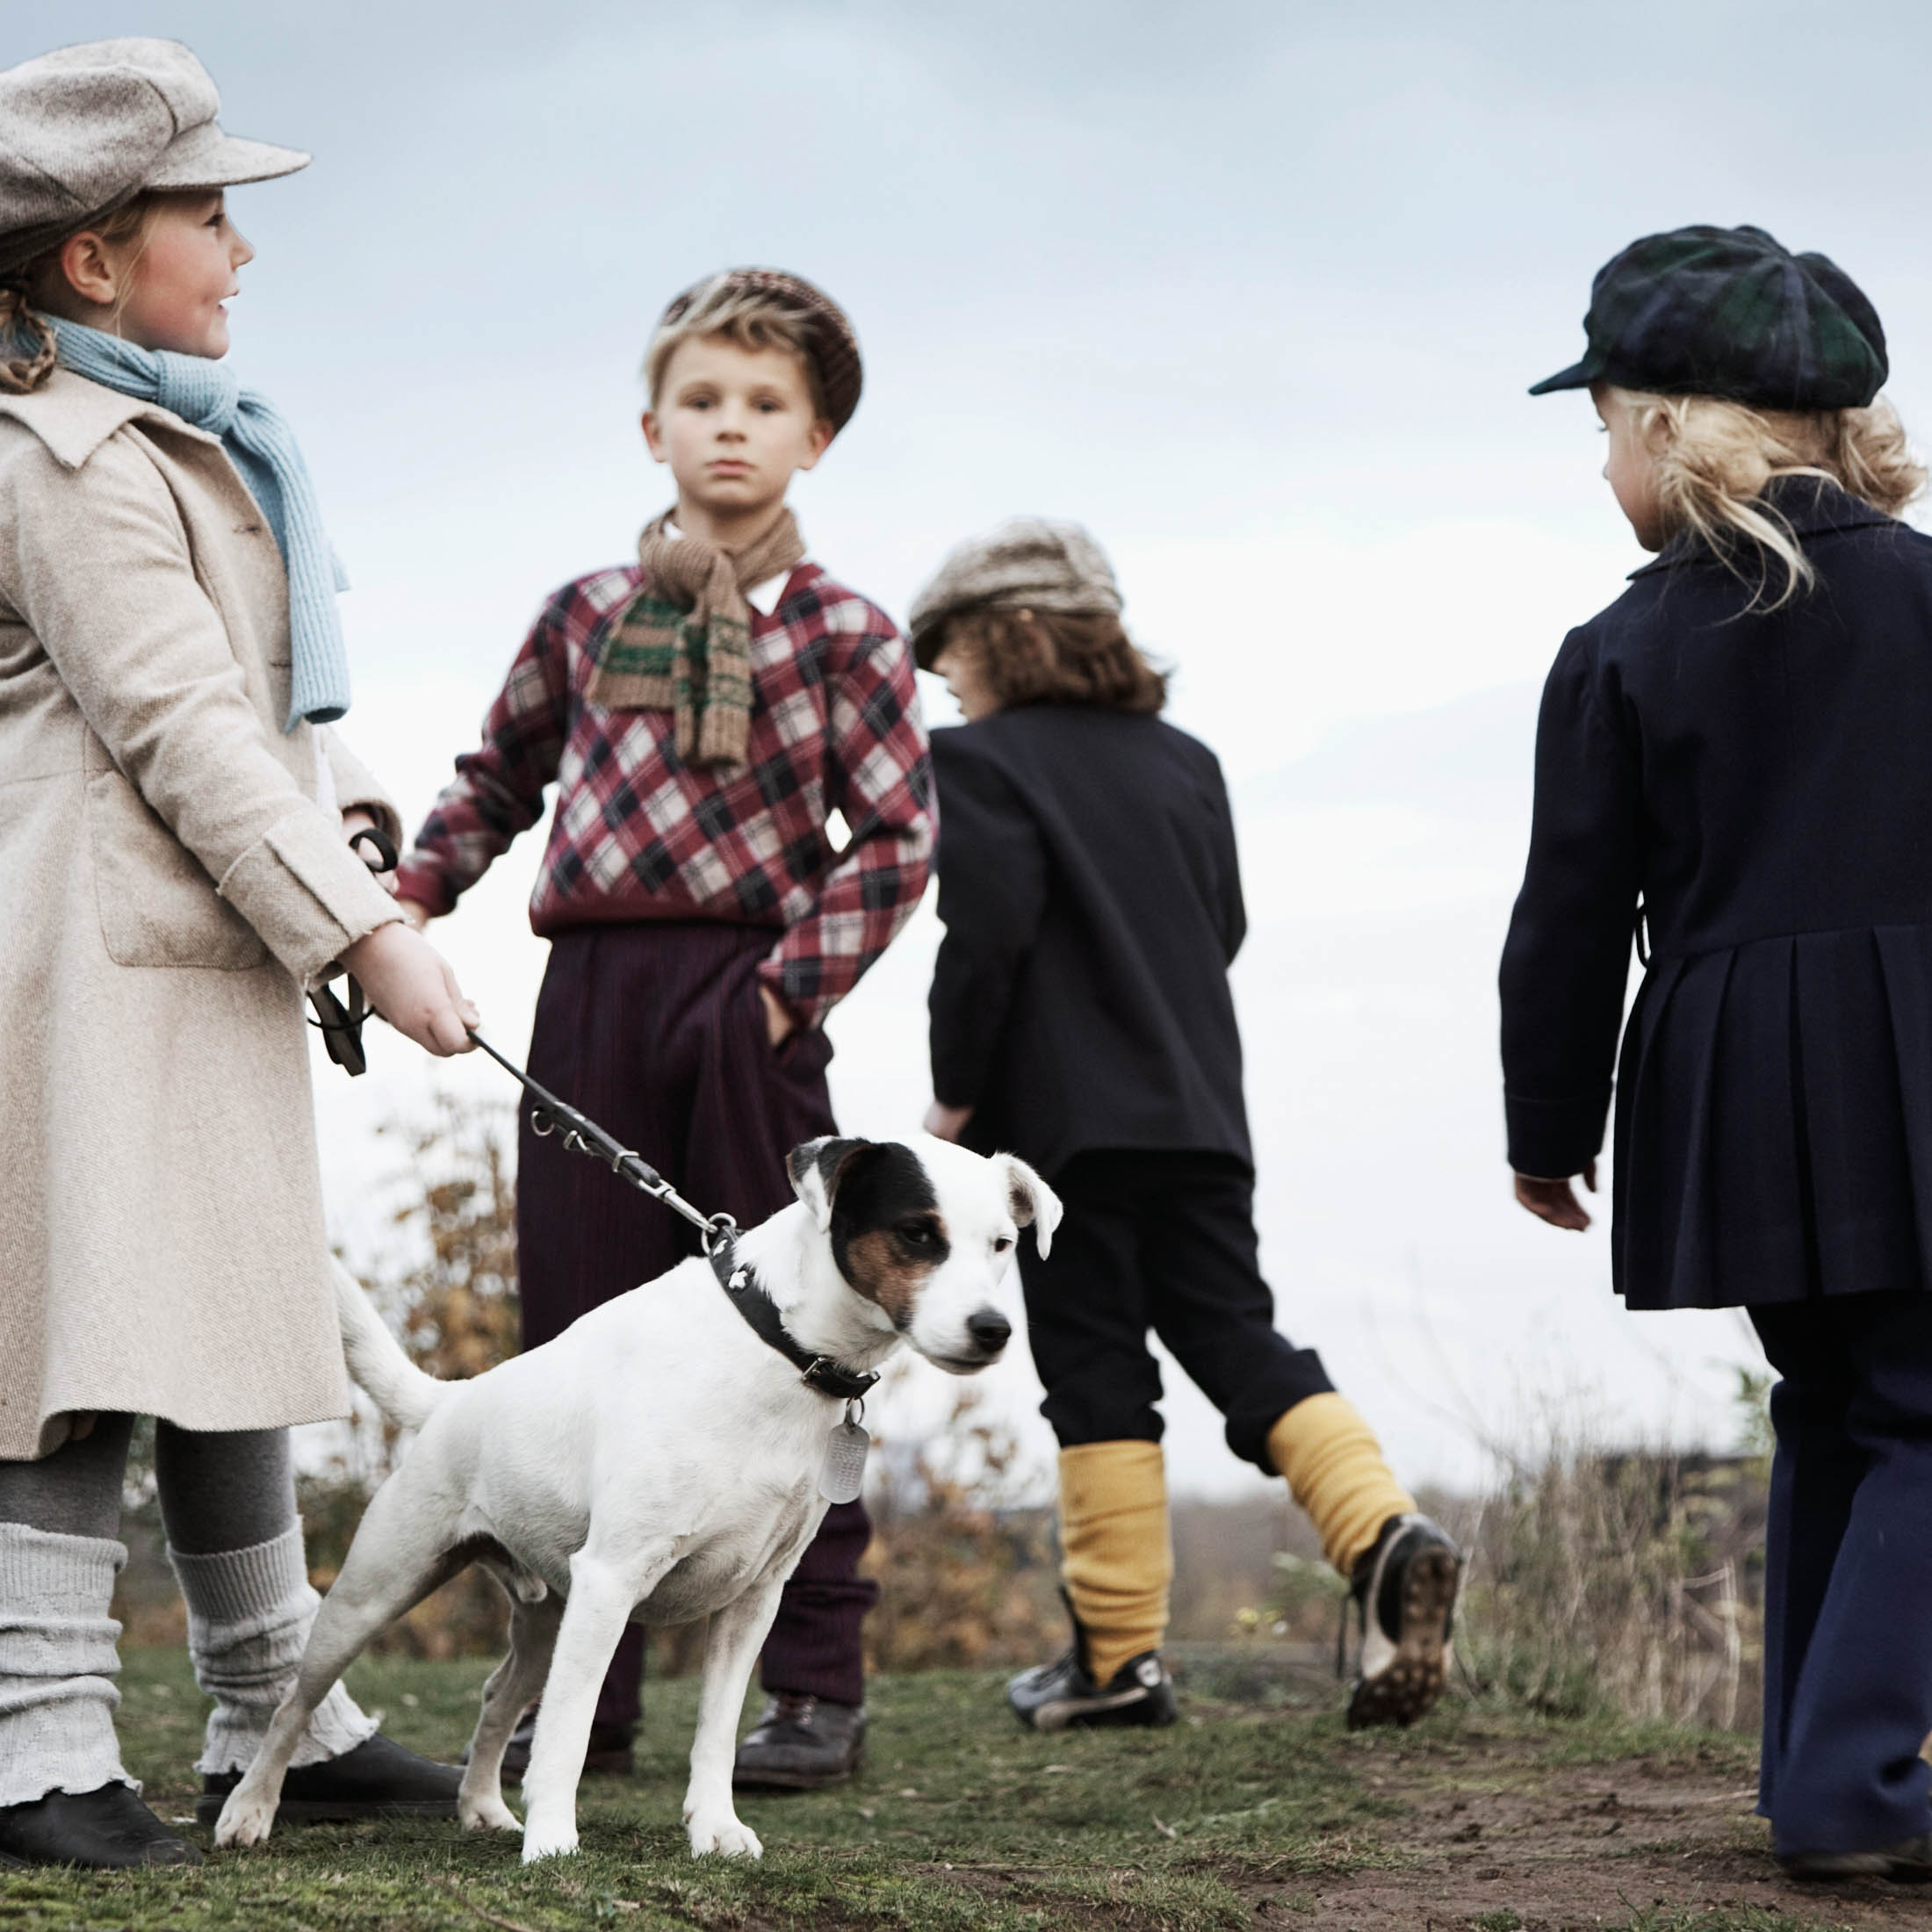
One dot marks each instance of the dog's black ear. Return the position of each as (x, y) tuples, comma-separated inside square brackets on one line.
[(816, 1170)]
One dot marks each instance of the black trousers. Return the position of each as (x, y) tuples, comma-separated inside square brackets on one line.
[(1848, 1569), (657, 1032), (1162, 1242)]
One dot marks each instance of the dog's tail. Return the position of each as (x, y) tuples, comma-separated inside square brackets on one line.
[(403, 1392)]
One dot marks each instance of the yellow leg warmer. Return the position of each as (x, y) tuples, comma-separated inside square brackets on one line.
[(1335, 1472), (1116, 1558)]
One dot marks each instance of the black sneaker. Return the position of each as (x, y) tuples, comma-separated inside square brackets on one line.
[(1404, 1593), (377, 1779), (1908, 1863), (1055, 1696), (106, 1829)]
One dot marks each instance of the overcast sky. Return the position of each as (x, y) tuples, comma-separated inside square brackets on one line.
[(1255, 291)]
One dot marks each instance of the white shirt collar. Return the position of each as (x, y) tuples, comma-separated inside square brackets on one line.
[(762, 597)]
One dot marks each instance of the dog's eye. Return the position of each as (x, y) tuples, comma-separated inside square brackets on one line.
[(916, 1232), (1002, 1244)]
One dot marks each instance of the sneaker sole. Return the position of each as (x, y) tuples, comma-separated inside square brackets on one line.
[(1127, 1707), (314, 1810), (1409, 1684)]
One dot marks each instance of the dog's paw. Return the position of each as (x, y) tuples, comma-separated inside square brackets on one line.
[(486, 1815), (541, 1841), (719, 1834), (245, 1819)]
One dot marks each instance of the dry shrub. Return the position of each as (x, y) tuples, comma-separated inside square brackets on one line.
[(452, 1297), (962, 1554), (1619, 1581)]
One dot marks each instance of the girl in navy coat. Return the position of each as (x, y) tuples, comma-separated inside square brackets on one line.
[(1735, 761)]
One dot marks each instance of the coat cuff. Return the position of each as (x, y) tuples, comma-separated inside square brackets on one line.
[(424, 883), (1554, 1139), (357, 788), (308, 895), (959, 1079)]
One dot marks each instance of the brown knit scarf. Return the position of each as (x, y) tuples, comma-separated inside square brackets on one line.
[(684, 644)]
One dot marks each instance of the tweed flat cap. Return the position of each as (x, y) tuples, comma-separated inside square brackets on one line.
[(84, 129), (830, 343), (1729, 312), (1028, 563)]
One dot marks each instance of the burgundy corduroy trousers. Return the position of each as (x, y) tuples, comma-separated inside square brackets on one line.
[(656, 1031)]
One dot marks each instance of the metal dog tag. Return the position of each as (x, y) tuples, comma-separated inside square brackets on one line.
[(842, 1475)]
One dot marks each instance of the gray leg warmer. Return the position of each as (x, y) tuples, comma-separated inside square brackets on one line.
[(56, 1663), (249, 1617)]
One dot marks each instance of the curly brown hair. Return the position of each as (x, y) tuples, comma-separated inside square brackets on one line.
[(1048, 657)]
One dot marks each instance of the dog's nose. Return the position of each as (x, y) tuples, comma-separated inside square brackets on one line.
[(990, 1329)]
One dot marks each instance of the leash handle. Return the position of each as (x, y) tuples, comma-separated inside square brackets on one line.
[(582, 1135)]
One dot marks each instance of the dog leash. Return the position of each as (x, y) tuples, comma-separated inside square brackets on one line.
[(583, 1135), (842, 1473)]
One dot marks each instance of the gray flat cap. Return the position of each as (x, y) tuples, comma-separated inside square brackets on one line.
[(1029, 562), (84, 129)]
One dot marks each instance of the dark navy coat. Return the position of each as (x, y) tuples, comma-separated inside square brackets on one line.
[(1092, 898), (1763, 783)]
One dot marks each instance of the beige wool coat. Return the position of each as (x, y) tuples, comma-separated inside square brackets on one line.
[(169, 886)]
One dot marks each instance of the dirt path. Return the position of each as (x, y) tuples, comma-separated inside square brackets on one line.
[(1568, 1846)]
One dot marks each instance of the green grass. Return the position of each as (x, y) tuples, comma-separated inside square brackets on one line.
[(961, 1819)]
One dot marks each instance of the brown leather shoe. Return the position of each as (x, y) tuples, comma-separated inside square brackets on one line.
[(801, 1744), (608, 1755)]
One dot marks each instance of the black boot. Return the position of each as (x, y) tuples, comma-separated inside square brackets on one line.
[(377, 1779), (801, 1744), (1907, 1863), (108, 1829)]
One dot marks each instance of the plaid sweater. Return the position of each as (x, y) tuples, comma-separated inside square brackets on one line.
[(637, 835)]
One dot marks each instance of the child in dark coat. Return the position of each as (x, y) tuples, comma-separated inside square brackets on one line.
[(1735, 753), (1082, 1019)]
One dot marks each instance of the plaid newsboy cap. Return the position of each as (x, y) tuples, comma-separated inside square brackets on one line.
[(1026, 563), (830, 340), (84, 129), (1731, 312)]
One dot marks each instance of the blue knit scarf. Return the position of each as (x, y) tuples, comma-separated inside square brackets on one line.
[(257, 436)]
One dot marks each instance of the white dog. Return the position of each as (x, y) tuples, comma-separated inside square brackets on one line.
[(658, 1462)]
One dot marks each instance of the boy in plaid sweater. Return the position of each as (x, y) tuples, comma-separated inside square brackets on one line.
[(703, 713)]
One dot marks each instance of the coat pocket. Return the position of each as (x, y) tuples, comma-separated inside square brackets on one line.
[(158, 906)]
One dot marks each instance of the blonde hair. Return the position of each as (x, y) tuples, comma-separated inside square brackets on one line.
[(752, 318), (24, 293), (1713, 459)]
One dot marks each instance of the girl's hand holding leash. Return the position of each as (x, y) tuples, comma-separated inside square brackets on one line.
[(410, 984), (1556, 1201)]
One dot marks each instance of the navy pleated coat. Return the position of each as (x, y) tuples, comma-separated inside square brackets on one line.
[(1762, 784)]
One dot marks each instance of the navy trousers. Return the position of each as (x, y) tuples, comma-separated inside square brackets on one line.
[(1848, 1578), (1166, 1242), (657, 1032)]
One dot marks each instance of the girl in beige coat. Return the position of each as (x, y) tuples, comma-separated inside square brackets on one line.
[(175, 875)]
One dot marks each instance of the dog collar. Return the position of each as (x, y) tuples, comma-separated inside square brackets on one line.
[(760, 1312)]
